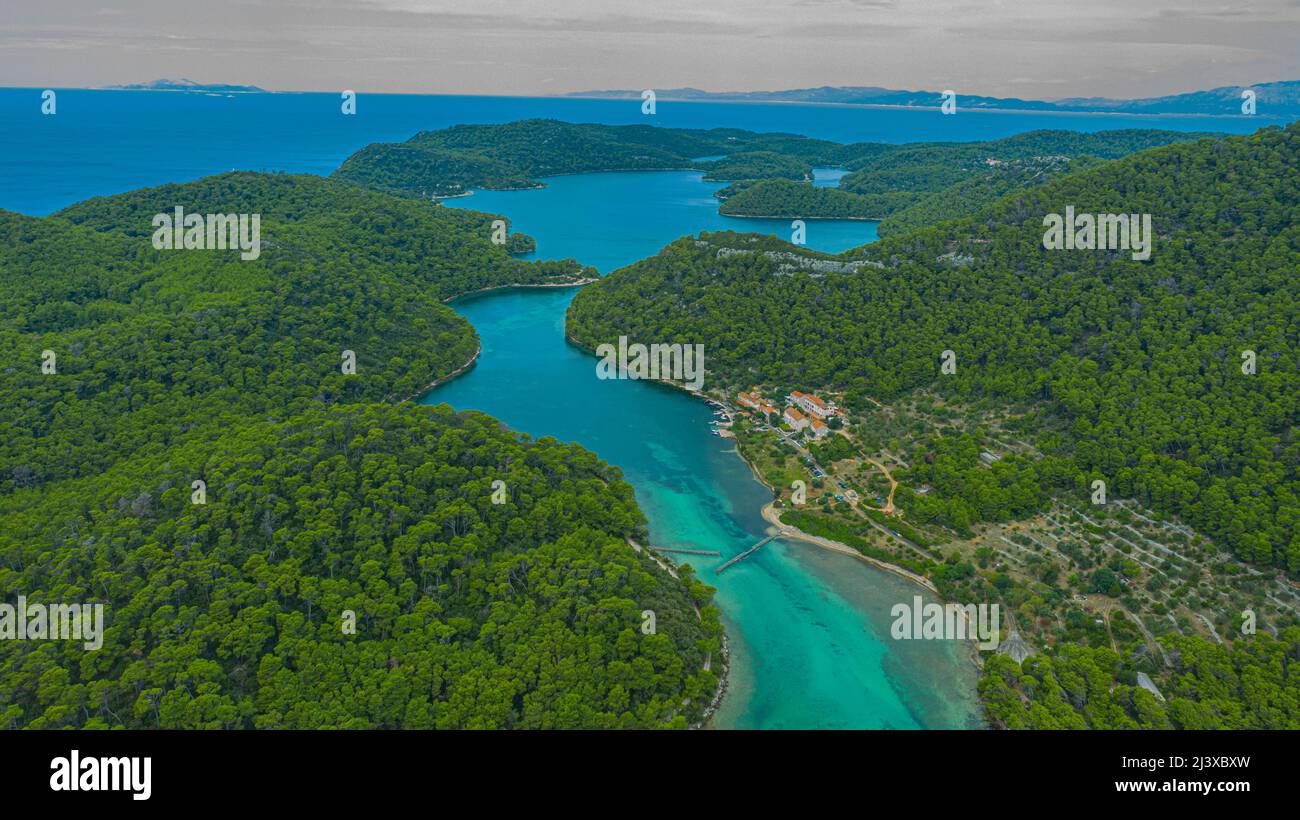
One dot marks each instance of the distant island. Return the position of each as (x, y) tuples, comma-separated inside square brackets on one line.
[(1280, 98), (1276, 98), (188, 85)]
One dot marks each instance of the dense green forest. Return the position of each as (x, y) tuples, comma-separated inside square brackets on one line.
[(751, 165), (1141, 361), (789, 199), (1252, 684), (514, 155), (322, 494)]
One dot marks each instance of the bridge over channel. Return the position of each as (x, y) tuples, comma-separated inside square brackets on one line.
[(745, 554)]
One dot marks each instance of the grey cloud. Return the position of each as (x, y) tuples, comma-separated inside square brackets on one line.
[(1023, 48)]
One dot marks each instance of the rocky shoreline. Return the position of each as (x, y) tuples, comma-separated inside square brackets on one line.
[(576, 283)]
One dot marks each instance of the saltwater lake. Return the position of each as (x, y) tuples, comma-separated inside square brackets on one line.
[(808, 628)]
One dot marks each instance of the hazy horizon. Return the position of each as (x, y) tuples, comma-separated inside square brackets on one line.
[(594, 90), (1043, 50)]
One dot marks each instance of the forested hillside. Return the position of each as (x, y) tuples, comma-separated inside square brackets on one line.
[(917, 184), (146, 339), (932, 166), (1141, 360), (227, 602), (978, 191)]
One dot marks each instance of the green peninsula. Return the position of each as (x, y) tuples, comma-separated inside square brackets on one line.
[(277, 539)]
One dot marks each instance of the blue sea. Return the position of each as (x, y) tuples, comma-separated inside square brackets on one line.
[(107, 142)]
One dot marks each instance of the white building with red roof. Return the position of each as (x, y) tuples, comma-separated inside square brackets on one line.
[(812, 404), (795, 419)]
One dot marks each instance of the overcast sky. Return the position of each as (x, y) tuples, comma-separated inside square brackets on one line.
[(1025, 48)]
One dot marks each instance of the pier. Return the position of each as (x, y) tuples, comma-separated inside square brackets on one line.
[(688, 552)]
